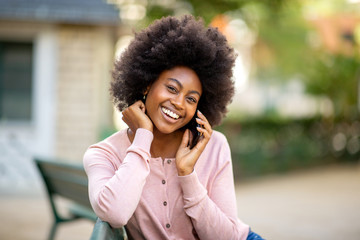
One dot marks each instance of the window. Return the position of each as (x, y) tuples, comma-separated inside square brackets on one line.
[(15, 80)]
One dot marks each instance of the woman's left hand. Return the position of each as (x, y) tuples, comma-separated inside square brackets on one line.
[(185, 157)]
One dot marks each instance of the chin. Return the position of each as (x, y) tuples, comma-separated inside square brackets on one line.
[(167, 129)]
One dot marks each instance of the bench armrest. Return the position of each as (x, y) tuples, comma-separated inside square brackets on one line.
[(103, 231)]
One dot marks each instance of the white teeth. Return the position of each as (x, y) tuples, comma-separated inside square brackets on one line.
[(170, 113)]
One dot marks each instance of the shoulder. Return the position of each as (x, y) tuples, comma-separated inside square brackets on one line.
[(217, 146), (111, 147), (217, 138), (215, 157), (118, 139)]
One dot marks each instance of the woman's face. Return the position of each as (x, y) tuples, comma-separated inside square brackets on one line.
[(172, 99)]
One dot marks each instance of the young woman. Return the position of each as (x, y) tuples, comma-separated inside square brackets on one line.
[(169, 175)]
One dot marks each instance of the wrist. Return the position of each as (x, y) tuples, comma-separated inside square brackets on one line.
[(150, 128), (185, 171)]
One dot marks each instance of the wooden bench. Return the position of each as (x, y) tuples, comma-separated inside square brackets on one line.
[(68, 181), (103, 231)]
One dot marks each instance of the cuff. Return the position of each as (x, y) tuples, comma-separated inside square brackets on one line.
[(142, 143), (193, 190), (143, 138)]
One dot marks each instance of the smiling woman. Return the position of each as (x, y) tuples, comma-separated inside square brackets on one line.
[(169, 175), (172, 99)]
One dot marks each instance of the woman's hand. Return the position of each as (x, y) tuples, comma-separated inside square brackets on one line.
[(186, 157), (135, 117)]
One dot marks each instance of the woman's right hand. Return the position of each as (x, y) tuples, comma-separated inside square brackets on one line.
[(135, 117)]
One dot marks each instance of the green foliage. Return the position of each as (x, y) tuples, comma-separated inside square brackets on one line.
[(284, 32), (336, 76), (156, 12), (264, 146), (207, 9)]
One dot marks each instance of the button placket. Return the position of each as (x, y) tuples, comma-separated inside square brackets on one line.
[(168, 168), (163, 180)]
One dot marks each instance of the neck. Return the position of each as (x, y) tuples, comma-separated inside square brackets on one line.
[(166, 145), (163, 145)]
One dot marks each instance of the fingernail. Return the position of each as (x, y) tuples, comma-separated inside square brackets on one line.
[(200, 112)]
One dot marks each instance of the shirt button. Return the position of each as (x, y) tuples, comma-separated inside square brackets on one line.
[(167, 225), (163, 181), (165, 203), (169, 161)]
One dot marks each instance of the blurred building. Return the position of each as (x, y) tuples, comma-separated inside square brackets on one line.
[(338, 32), (55, 63)]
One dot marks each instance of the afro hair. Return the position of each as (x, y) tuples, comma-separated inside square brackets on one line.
[(171, 42)]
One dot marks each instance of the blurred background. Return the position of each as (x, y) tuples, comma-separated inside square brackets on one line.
[(293, 126)]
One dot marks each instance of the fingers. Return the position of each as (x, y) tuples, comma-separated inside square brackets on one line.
[(191, 137), (135, 117), (186, 158), (134, 108), (206, 129), (141, 105), (185, 139)]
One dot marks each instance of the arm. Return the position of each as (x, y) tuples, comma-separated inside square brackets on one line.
[(115, 193), (214, 214)]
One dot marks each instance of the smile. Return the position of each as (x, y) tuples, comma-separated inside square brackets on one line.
[(169, 113)]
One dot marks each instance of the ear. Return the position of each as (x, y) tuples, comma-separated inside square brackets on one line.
[(147, 90)]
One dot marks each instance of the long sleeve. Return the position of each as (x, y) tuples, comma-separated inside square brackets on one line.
[(114, 182), (214, 213), (129, 187)]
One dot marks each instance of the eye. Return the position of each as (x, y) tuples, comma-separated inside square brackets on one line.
[(192, 100), (171, 89)]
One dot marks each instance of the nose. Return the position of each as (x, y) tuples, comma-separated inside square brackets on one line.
[(178, 101)]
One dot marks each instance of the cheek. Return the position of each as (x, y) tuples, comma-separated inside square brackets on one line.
[(149, 107), (151, 98), (155, 95), (191, 113)]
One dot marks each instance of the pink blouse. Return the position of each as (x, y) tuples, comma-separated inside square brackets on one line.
[(129, 187)]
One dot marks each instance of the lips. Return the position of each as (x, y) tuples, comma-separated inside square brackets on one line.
[(170, 113)]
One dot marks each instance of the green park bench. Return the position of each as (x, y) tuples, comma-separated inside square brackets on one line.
[(103, 231), (67, 181)]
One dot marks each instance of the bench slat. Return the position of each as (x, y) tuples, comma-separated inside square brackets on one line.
[(68, 181), (103, 231)]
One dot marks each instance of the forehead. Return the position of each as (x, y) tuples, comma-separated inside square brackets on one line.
[(181, 75)]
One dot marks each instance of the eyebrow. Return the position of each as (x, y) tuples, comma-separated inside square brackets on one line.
[(181, 86)]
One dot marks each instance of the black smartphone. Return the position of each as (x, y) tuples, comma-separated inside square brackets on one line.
[(192, 125)]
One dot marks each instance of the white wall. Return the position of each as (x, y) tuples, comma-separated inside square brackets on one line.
[(45, 69), (20, 141)]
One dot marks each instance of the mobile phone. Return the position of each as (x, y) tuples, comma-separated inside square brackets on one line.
[(192, 125)]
